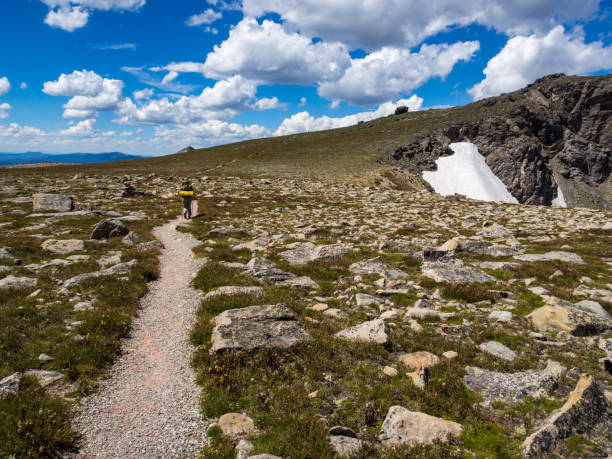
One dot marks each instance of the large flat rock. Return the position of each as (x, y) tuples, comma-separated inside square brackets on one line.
[(308, 252), (52, 201), (556, 255), (578, 322), (255, 327), (373, 331), (120, 268), (454, 272), (63, 246), (404, 427), (513, 387)]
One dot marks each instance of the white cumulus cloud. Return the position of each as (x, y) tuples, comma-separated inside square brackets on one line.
[(70, 15), (68, 19), (89, 93), (210, 132), (4, 110), (206, 17), (267, 53), (85, 128), (5, 85), (224, 100), (372, 24), (305, 122), (390, 72), (525, 58)]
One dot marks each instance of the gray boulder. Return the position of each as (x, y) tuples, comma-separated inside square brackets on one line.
[(498, 350), (454, 271), (556, 255), (10, 384), (513, 387), (404, 427), (63, 247), (235, 290), (255, 327), (578, 322), (109, 228), (586, 410), (373, 331), (12, 282), (308, 252), (266, 270), (120, 268), (53, 202)]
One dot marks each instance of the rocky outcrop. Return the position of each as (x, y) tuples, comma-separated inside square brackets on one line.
[(120, 268), (255, 327), (63, 246), (404, 427), (513, 387), (555, 132), (52, 202), (307, 252), (578, 322), (373, 331), (586, 410)]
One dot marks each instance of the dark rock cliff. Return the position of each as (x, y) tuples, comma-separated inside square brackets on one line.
[(557, 130)]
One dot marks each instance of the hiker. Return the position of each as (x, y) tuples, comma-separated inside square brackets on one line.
[(186, 192)]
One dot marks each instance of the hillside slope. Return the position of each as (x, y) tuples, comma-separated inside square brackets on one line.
[(557, 129)]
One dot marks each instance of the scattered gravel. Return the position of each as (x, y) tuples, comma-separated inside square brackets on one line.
[(150, 405)]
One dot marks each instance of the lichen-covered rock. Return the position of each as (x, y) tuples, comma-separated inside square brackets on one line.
[(404, 427), (12, 282), (308, 252), (63, 246), (236, 425), (373, 331), (498, 350), (52, 201), (255, 327), (235, 290), (419, 359), (120, 268), (586, 410), (10, 384), (109, 228), (578, 322), (454, 272), (513, 387), (555, 255)]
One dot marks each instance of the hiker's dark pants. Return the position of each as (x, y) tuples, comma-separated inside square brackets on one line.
[(187, 206)]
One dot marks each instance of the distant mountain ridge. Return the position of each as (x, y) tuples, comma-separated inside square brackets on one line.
[(34, 157)]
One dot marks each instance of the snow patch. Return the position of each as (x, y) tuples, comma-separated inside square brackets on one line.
[(560, 199), (466, 172)]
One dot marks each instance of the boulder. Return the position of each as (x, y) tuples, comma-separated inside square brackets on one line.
[(368, 267), (53, 202), (46, 379), (120, 268), (586, 410), (63, 247), (236, 425), (10, 384), (594, 307), (308, 252), (12, 282), (454, 272), (109, 228), (555, 255), (131, 239), (500, 316), (300, 282), (264, 269), (255, 327), (150, 245), (498, 350), (578, 322), (374, 331), (513, 387), (235, 290), (420, 359), (345, 446), (404, 427), (227, 231)]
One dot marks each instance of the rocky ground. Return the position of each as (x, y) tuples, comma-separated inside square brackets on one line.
[(335, 319)]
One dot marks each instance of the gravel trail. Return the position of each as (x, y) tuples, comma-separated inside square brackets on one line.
[(150, 404)]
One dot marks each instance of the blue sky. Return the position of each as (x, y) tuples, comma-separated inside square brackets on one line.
[(151, 76)]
